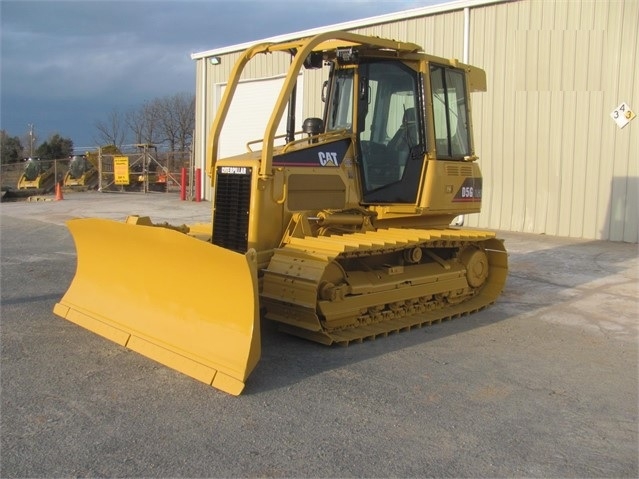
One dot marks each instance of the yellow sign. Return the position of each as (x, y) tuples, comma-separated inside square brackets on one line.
[(121, 170)]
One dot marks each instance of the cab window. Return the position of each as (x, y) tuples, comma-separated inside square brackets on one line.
[(390, 138), (450, 112), (340, 111)]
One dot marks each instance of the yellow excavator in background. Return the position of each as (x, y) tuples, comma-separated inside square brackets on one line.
[(340, 234)]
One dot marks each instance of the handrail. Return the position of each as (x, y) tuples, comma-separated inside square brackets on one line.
[(324, 137), (261, 140)]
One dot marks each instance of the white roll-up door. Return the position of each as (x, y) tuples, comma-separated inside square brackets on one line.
[(250, 111)]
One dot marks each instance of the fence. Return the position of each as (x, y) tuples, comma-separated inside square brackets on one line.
[(135, 168), (37, 175), (142, 168)]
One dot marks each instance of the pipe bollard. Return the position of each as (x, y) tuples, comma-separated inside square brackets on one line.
[(183, 185), (198, 184)]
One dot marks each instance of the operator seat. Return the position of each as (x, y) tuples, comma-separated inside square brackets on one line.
[(403, 140)]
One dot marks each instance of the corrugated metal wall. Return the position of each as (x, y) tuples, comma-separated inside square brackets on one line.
[(441, 34), (553, 160)]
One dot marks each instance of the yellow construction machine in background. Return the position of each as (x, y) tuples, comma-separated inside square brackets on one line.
[(38, 175), (82, 172), (339, 232)]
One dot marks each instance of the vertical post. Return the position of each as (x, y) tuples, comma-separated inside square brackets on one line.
[(100, 169), (146, 168), (30, 140), (183, 184), (191, 174), (466, 51), (198, 184)]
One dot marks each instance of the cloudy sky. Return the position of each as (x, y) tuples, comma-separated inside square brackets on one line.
[(66, 64)]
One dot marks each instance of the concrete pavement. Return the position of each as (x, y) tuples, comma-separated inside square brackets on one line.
[(542, 384)]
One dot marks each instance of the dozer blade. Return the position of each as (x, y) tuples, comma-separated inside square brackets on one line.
[(181, 301)]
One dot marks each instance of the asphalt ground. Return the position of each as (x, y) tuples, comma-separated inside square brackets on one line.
[(542, 384)]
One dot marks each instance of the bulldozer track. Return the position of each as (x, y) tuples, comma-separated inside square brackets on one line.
[(342, 289)]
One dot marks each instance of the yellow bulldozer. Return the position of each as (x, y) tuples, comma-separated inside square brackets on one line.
[(341, 233)]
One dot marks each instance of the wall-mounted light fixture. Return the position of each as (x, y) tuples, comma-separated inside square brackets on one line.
[(215, 60)]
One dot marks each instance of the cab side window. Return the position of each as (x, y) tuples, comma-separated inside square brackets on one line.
[(450, 112)]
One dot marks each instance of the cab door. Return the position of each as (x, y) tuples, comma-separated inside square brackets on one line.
[(390, 132)]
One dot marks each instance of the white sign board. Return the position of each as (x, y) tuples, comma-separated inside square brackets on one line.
[(622, 115)]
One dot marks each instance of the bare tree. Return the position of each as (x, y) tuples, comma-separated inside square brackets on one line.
[(168, 120), (143, 123), (112, 130), (135, 122), (176, 120), (184, 105)]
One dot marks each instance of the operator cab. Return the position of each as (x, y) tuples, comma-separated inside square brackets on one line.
[(78, 165), (392, 137), (32, 168)]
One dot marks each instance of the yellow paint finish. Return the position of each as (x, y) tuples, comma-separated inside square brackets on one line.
[(195, 310)]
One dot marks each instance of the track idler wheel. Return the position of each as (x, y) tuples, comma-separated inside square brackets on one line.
[(475, 261)]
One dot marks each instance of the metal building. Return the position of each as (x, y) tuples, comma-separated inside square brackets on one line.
[(555, 133)]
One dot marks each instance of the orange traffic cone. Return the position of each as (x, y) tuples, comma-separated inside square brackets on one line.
[(58, 192)]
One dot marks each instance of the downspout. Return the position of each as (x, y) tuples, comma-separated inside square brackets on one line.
[(460, 220), (466, 34)]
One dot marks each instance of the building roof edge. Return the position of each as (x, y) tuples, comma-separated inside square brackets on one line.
[(365, 22)]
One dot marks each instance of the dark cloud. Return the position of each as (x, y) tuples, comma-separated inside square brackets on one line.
[(67, 63)]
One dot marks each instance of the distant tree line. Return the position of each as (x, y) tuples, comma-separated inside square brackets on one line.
[(54, 148), (167, 121)]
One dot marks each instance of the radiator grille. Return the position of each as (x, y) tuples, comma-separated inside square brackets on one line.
[(232, 207)]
